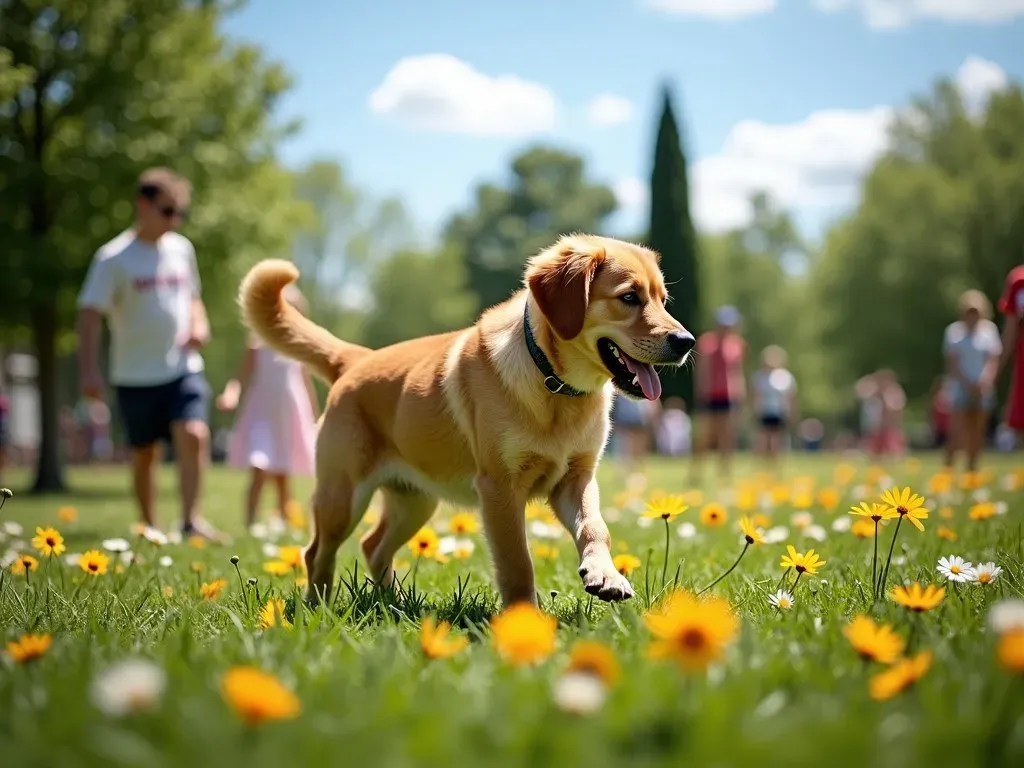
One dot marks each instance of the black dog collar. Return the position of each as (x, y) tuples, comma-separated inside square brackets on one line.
[(552, 382)]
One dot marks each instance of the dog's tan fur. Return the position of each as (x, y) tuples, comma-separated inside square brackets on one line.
[(465, 416)]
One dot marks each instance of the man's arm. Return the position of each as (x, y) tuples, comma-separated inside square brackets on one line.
[(199, 333), (89, 328)]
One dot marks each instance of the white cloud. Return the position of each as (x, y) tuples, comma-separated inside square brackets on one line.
[(438, 92), (632, 195), (609, 109), (890, 14), (721, 10), (817, 162)]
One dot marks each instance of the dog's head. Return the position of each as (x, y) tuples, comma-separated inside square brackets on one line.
[(605, 301)]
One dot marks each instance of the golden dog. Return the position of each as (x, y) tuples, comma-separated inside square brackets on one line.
[(512, 409)]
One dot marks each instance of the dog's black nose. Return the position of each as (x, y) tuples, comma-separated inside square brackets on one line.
[(681, 342)]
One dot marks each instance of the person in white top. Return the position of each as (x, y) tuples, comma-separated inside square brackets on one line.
[(146, 283), (972, 347), (774, 401)]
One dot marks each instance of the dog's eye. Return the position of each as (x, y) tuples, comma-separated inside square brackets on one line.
[(630, 298)]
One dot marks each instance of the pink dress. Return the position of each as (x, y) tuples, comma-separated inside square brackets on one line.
[(276, 429)]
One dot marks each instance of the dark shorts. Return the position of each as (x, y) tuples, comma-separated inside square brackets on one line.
[(772, 422), (718, 405), (148, 412)]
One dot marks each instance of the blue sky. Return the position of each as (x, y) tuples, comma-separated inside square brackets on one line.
[(788, 95)]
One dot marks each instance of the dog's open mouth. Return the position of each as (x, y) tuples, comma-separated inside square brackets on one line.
[(630, 376)]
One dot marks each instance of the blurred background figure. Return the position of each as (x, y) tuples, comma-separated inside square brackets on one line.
[(882, 402), (674, 428), (719, 387), (972, 348), (940, 412), (1011, 306), (275, 433), (812, 435), (631, 426), (775, 405)]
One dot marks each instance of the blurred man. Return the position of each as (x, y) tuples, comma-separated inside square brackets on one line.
[(1011, 306), (146, 282), (719, 386)]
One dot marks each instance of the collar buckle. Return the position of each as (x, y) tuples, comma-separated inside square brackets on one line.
[(553, 385)]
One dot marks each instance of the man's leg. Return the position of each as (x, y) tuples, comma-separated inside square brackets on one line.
[(144, 460), (191, 438), (140, 409)]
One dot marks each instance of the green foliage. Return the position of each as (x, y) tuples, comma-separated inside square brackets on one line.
[(92, 93), (549, 195), (672, 234), (941, 213)]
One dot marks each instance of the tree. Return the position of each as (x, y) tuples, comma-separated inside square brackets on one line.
[(417, 294), (672, 234), (91, 94), (549, 195)]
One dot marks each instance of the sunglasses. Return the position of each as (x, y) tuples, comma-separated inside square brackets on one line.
[(168, 211)]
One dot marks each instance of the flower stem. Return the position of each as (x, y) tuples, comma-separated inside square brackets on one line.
[(731, 569), (245, 595), (892, 546), (664, 567), (792, 590), (874, 568)]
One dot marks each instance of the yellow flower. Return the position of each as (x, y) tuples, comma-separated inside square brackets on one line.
[(874, 642), (436, 640), (906, 504), (523, 635), (626, 563), (972, 481), (746, 499), (589, 657), (545, 552), (257, 696), (692, 632), (197, 542), (665, 507), (168, 591), (693, 498), (463, 523), (67, 514), (844, 474), (291, 556), (876, 512), (272, 614), (48, 542), (917, 599), (536, 510), (1011, 650), (713, 515), (463, 550), (808, 562), (941, 483), (424, 543), (750, 533), (761, 521), (25, 562), (946, 513), (212, 589), (947, 534), (863, 529), (28, 647), (779, 495), (294, 515), (829, 498), (900, 676), (803, 498), (94, 562), (277, 568), (982, 511), (197, 567)]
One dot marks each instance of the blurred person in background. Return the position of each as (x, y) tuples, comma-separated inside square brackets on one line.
[(631, 423), (4, 410), (775, 405), (972, 348), (940, 412), (882, 402), (1011, 307), (719, 387), (146, 283), (674, 429)]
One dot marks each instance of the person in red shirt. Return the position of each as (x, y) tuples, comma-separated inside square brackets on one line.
[(1011, 306), (719, 385)]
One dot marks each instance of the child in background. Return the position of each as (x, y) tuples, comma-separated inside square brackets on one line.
[(674, 428), (774, 401), (275, 432)]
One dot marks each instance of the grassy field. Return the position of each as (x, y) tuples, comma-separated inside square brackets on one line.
[(788, 690)]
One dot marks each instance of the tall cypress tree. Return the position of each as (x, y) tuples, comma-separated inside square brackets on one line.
[(672, 234)]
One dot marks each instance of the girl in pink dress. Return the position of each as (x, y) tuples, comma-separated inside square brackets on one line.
[(275, 432)]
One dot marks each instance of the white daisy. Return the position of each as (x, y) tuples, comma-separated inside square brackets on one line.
[(1006, 615), (686, 530), (128, 686), (166, 561), (8, 558), (12, 528), (270, 550), (1001, 508), (579, 693), (154, 536), (645, 522), (258, 531), (842, 524), (543, 530), (776, 535), (127, 557), (815, 532), (955, 569), (782, 600), (802, 519), (981, 494), (116, 545), (986, 573), (72, 558)]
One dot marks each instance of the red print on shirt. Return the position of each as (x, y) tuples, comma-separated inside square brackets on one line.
[(143, 284)]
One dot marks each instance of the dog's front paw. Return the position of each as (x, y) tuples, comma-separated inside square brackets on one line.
[(600, 578)]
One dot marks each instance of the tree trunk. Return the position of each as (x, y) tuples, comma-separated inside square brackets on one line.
[(49, 468)]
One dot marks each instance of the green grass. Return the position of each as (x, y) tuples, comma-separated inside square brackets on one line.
[(790, 691)]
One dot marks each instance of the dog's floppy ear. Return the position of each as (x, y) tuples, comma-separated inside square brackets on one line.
[(559, 279)]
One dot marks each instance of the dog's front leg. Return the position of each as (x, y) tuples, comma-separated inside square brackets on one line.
[(576, 501), (503, 511)]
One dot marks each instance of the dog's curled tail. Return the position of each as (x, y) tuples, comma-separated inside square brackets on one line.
[(283, 328)]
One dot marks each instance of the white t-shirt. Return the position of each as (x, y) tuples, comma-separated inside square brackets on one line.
[(146, 292), (774, 388), (972, 350)]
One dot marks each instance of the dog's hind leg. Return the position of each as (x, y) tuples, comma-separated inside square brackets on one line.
[(405, 511), (337, 509)]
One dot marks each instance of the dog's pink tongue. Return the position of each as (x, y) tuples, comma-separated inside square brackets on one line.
[(646, 377)]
